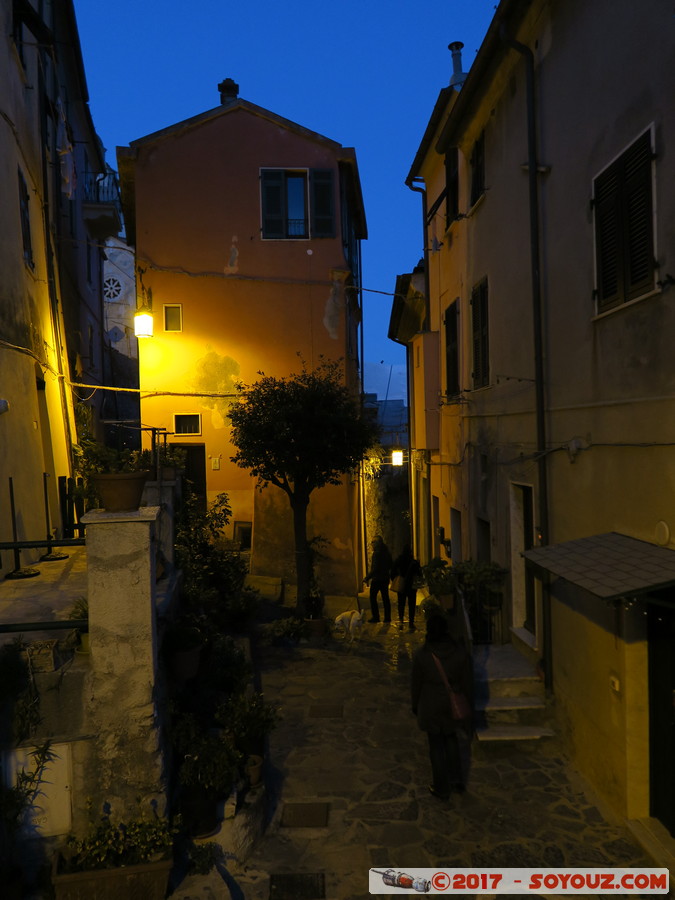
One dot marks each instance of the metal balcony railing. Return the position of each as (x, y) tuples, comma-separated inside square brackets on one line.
[(102, 188)]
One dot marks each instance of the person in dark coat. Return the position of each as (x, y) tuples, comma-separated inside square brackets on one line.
[(448, 737), (409, 569), (378, 577)]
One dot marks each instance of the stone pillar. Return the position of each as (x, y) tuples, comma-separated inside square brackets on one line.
[(163, 494), (121, 551)]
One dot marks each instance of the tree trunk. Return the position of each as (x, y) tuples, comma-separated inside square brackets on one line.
[(299, 506)]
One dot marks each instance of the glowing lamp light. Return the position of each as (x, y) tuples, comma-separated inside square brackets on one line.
[(143, 323), (397, 457)]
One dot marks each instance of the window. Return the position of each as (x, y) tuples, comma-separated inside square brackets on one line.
[(173, 317), (480, 335), (478, 170), (624, 232), (451, 186), (451, 350), (187, 423), (24, 211), (297, 203)]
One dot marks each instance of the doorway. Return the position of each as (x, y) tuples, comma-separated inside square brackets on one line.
[(195, 470), (661, 635)]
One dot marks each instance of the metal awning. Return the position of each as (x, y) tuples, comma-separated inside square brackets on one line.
[(610, 566)]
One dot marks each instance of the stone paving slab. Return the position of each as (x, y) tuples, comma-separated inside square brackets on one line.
[(525, 805)]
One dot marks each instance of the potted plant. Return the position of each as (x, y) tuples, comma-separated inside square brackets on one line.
[(441, 581), (208, 767), (114, 477), (116, 859), (166, 461), (248, 718), (482, 582)]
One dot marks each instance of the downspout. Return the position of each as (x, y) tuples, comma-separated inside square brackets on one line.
[(363, 555), (540, 400), (425, 326)]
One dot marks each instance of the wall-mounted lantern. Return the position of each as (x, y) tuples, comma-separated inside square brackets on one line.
[(397, 457), (143, 322)]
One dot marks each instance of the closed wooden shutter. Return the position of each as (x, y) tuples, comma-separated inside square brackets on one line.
[(272, 195), (624, 232), (451, 351), (323, 203), (480, 335)]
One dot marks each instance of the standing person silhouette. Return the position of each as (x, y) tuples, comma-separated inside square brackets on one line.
[(378, 577), (408, 568), (440, 663)]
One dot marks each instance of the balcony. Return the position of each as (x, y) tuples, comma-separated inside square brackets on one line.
[(102, 208)]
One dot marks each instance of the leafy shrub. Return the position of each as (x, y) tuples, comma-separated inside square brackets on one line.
[(111, 844)]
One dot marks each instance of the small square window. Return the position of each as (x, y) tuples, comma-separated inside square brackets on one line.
[(173, 317), (188, 423)]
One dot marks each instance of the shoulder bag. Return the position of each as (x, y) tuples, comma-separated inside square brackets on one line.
[(459, 702)]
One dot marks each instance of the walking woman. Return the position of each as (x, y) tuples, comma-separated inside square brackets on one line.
[(442, 664), (405, 572)]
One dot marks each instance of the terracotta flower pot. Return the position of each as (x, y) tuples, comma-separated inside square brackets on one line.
[(120, 491), (149, 880)]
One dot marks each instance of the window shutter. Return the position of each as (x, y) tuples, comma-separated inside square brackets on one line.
[(272, 201), (624, 233), (638, 202), (478, 170), (451, 351), (451, 185), (323, 204), (609, 245), (480, 335)]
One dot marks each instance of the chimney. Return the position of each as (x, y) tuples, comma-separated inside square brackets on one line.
[(458, 77), (229, 91)]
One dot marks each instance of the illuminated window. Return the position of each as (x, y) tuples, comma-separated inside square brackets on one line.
[(190, 423)]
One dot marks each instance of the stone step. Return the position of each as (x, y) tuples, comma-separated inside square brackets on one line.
[(504, 732), (508, 703), (526, 710), (517, 686)]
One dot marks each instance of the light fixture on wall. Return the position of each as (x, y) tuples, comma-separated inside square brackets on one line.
[(143, 322), (397, 457)]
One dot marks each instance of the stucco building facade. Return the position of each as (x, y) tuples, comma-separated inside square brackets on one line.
[(539, 331), (247, 231), (58, 208)]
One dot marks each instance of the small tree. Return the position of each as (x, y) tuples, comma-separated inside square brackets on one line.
[(299, 433)]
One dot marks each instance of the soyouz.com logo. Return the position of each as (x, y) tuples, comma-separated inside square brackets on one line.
[(519, 881)]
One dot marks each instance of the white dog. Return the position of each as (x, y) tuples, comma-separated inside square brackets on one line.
[(349, 623)]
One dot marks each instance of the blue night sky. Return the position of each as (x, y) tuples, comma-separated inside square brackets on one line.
[(365, 74)]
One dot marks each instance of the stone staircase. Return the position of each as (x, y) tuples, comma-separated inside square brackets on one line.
[(509, 696)]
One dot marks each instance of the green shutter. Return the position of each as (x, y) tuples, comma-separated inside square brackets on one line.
[(323, 203), (273, 205)]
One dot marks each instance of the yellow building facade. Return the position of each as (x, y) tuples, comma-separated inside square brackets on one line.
[(544, 319)]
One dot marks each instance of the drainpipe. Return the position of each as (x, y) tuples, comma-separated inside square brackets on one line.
[(423, 191), (425, 326), (540, 401)]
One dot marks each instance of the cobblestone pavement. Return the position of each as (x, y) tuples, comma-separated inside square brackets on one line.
[(347, 739)]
